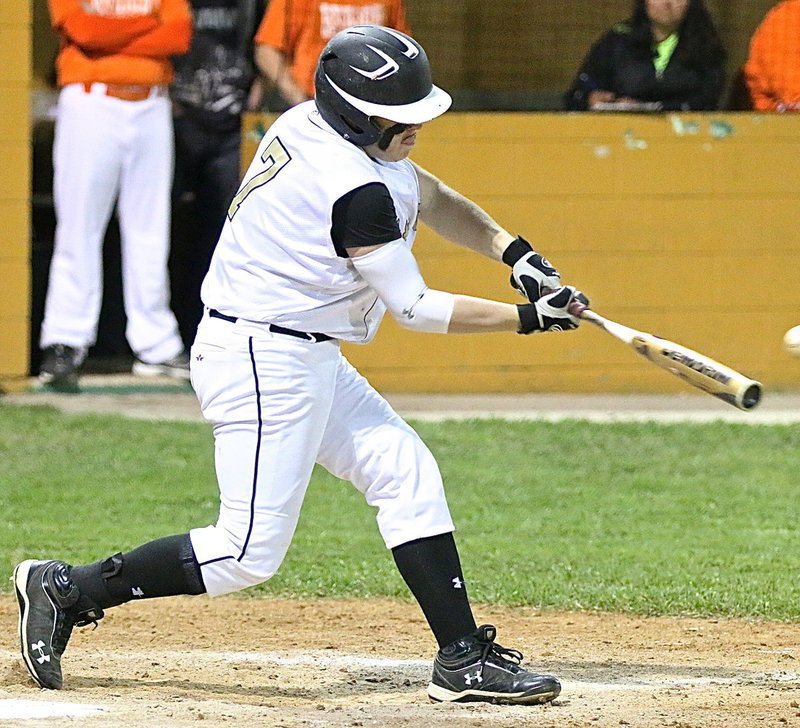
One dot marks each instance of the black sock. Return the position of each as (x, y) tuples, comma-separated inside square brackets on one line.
[(432, 570), (161, 568)]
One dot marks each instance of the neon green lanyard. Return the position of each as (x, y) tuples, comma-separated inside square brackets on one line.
[(664, 51)]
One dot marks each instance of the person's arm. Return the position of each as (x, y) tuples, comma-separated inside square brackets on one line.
[(708, 95), (397, 17), (275, 41), (757, 70), (97, 33), (392, 272), (593, 83), (458, 219), (275, 66), (364, 228), (172, 36), (461, 221), (255, 95)]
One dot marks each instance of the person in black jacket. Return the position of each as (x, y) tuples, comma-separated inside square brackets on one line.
[(667, 56), (214, 84)]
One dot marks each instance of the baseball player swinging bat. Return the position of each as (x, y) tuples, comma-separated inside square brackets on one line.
[(697, 369)]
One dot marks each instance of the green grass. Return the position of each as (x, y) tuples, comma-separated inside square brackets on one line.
[(653, 519)]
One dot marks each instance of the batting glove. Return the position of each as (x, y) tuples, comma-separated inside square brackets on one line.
[(552, 312), (531, 274)]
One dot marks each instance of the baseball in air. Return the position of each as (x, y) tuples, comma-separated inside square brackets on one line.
[(791, 340)]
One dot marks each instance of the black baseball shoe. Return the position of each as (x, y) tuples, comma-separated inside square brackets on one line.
[(475, 667), (50, 606), (176, 367), (60, 365)]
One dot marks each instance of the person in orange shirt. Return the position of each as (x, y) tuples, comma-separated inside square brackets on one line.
[(113, 144), (294, 32), (772, 71)]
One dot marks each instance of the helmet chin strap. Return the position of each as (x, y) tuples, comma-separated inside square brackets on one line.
[(385, 139)]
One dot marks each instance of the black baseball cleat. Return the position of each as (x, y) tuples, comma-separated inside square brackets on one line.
[(48, 610), (60, 367), (475, 667)]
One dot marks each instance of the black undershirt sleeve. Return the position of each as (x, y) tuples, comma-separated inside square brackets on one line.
[(364, 216)]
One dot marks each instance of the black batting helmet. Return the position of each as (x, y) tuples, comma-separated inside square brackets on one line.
[(368, 71)]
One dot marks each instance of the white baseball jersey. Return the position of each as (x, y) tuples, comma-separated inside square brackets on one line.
[(276, 261)]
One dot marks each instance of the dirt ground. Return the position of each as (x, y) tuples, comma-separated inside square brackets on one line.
[(279, 663), (244, 661)]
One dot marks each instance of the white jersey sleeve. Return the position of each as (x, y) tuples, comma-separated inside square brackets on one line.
[(275, 261)]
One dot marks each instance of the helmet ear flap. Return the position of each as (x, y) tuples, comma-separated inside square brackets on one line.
[(348, 121)]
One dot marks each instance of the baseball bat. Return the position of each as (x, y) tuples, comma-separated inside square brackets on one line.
[(694, 368)]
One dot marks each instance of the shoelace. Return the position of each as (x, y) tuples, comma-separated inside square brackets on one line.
[(65, 623), (500, 653), (90, 616), (62, 632)]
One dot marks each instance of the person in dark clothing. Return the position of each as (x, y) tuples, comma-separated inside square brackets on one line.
[(667, 56), (215, 82)]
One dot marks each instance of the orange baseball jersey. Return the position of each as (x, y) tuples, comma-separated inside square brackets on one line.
[(772, 70), (126, 42), (301, 28)]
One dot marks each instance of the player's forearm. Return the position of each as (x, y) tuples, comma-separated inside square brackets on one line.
[(272, 63), (479, 315), (458, 219), (461, 221)]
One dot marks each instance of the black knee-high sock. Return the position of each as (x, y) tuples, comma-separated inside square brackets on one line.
[(432, 570), (161, 568)]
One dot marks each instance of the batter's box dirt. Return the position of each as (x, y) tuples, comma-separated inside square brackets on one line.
[(263, 662)]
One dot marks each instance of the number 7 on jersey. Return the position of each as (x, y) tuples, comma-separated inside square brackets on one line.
[(276, 158)]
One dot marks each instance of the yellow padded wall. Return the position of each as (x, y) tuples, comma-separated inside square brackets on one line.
[(682, 225), (15, 71)]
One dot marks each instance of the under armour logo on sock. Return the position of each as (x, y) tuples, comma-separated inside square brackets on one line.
[(137, 591), (476, 677), (457, 583), (39, 647)]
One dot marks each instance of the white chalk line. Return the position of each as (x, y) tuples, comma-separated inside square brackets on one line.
[(15, 709), (419, 669), (326, 659)]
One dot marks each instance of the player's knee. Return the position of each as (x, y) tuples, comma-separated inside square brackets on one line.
[(229, 564)]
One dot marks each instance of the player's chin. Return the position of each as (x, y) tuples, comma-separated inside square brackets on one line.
[(403, 150)]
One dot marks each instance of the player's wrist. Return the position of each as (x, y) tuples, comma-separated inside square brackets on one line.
[(528, 318), (517, 248)]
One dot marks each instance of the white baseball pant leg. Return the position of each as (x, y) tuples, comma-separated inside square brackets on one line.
[(369, 444), (278, 403), (144, 219), (86, 171)]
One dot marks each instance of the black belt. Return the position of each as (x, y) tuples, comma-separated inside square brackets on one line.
[(275, 329)]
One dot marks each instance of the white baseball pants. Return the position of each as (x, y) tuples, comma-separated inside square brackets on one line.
[(279, 404), (108, 150)]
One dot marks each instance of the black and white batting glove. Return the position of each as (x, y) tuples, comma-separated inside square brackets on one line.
[(552, 312), (531, 274)]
